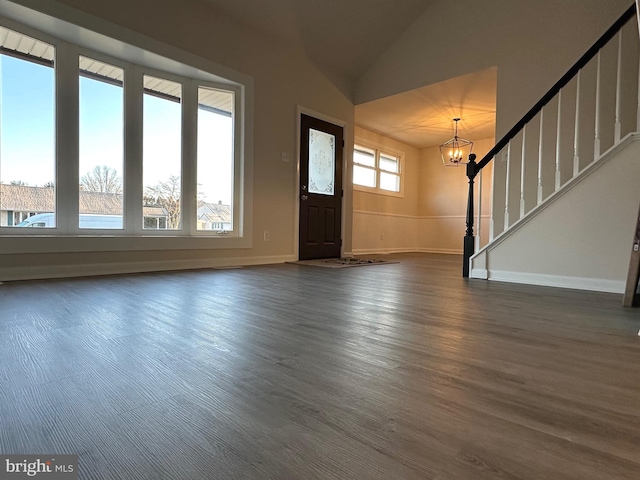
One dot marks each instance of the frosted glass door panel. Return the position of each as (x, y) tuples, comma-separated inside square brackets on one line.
[(322, 159)]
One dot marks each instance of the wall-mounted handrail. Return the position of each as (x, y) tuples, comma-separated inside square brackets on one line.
[(553, 91)]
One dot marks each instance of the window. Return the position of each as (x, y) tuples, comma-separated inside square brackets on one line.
[(162, 147), (154, 145), (389, 172), (101, 158), (377, 170), (27, 127), (215, 160), (364, 167)]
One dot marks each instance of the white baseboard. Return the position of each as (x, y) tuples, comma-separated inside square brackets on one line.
[(577, 283), (443, 251), (481, 273), (68, 271), (382, 251)]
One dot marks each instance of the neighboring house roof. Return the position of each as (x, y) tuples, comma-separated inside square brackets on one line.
[(101, 203), (26, 199), (214, 212), (154, 212), (20, 198)]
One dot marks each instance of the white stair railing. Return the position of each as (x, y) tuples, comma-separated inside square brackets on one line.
[(599, 98)]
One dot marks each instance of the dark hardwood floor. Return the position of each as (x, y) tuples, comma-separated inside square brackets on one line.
[(400, 371)]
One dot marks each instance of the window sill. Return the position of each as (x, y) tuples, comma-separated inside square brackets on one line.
[(377, 191)]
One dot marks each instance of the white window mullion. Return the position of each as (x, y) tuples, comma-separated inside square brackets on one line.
[(241, 214), (189, 152), (165, 146), (67, 137), (133, 150), (378, 172)]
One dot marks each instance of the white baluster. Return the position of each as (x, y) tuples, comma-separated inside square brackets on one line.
[(491, 200), (576, 132), (596, 144), (618, 126), (540, 157), (479, 229), (638, 110), (507, 183), (522, 170), (558, 133)]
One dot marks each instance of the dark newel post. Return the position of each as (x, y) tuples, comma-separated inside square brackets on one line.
[(469, 241)]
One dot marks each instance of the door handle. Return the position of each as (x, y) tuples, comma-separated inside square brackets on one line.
[(304, 197)]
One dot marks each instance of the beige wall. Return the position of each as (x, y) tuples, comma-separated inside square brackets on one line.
[(431, 217), (405, 205), (442, 203), (384, 223), (283, 79), (532, 44)]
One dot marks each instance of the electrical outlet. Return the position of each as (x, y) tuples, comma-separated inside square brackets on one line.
[(382, 236), (266, 236)]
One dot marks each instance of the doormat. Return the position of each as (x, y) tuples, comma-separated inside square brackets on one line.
[(341, 262)]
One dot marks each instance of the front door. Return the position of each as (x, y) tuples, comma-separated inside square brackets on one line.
[(321, 146)]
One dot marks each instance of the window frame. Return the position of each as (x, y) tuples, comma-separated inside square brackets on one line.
[(138, 227), (379, 150), (67, 236), (126, 67), (237, 172)]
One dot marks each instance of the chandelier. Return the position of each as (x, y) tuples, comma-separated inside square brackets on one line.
[(457, 150)]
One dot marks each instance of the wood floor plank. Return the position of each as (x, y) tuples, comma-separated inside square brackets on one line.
[(403, 371)]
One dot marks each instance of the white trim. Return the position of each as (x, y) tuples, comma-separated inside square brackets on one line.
[(95, 269), (414, 217), (105, 243), (67, 127), (442, 251), (133, 155), (560, 281), (189, 160), (481, 273), (83, 29), (376, 190), (448, 217), (442, 217), (381, 251), (383, 214)]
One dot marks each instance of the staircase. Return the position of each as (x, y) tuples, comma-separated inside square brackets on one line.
[(566, 178)]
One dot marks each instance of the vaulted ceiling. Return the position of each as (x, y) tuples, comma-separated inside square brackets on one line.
[(344, 38)]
